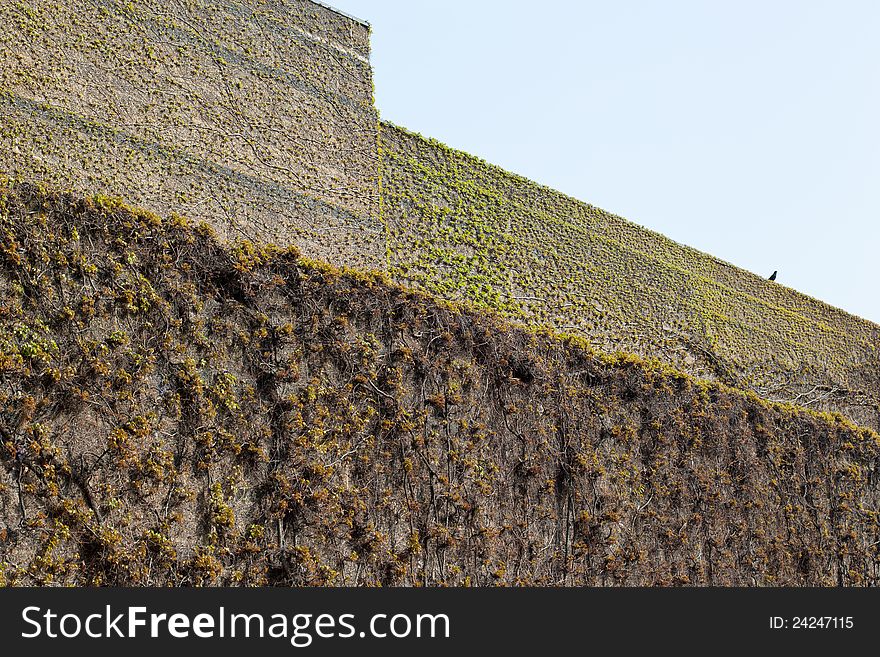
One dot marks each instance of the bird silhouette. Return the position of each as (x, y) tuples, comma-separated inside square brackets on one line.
[(773, 277)]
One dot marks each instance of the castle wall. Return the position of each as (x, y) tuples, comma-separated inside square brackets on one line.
[(254, 116), (467, 230)]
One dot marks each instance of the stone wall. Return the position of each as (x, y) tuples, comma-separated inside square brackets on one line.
[(256, 117), (295, 425), (467, 230)]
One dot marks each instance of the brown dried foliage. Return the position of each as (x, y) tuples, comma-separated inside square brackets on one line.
[(176, 412)]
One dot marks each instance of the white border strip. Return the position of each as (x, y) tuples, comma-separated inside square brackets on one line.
[(342, 13)]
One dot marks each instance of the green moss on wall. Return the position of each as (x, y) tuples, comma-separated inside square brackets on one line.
[(464, 229), (256, 117)]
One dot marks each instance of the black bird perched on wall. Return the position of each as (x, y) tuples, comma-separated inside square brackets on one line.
[(773, 277)]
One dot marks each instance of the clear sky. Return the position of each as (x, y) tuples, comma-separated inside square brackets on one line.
[(749, 129)]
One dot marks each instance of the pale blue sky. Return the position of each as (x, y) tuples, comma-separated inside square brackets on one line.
[(748, 129)]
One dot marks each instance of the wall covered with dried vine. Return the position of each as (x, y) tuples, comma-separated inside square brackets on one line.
[(464, 229), (257, 117), (178, 411)]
